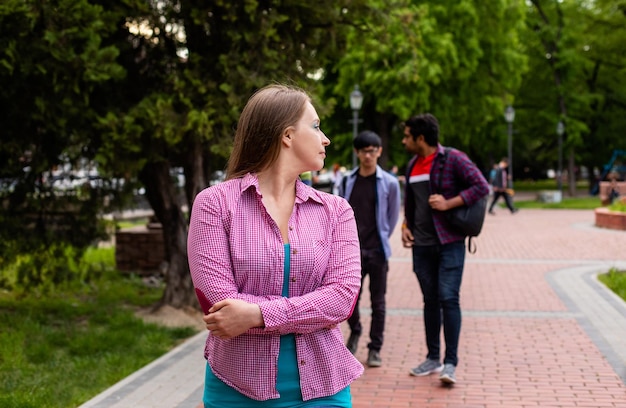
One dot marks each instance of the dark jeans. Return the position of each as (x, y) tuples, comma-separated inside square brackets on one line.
[(507, 200), (374, 264), (439, 270)]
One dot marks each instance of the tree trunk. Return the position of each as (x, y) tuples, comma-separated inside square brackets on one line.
[(195, 180), (163, 198), (571, 174)]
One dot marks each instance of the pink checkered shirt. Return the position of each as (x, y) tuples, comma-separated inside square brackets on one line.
[(236, 251)]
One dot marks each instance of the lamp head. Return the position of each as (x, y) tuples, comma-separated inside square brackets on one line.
[(509, 114), (356, 98), (560, 128)]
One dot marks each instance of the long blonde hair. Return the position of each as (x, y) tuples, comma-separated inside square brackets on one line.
[(269, 111)]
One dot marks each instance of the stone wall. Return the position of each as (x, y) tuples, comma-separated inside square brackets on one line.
[(140, 249)]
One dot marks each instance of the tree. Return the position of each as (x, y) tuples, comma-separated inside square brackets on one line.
[(458, 60), (574, 76), (190, 67), (143, 88), (51, 59)]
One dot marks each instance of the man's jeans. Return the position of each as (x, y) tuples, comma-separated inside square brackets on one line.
[(439, 270), (374, 264)]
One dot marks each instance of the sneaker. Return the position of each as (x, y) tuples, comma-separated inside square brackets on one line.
[(492, 212), (447, 375), (427, 367), (373, 358), (353, 342)]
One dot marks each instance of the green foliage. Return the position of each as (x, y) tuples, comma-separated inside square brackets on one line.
[(52, 59), (169, 105), (43, 239), (458, 60), (618, 206), (53, 267), (575, 75), (59, 350), (616, 281)]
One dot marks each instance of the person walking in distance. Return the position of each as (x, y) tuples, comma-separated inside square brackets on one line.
[(438, 250), (336, 177), (501, 188), (374, 194)]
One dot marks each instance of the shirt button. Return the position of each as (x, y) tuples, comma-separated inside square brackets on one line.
[(293, 279), (302, 362), (295, 251), (290, 228)]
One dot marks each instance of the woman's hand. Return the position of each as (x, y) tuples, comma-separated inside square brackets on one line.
[(231, 317)]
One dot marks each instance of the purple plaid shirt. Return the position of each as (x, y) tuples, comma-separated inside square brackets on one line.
[(236, 251), (460, 177)]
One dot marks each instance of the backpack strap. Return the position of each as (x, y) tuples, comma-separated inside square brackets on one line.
[(470, 248), (442, 164)]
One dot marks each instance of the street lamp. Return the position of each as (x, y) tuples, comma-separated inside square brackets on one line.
[(356, 100), (509, 116), (560, 130)]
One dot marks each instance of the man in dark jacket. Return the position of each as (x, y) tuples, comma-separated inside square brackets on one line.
[(501, 188)]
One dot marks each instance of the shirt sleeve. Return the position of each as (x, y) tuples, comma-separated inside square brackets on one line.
[(476, 184), (333, 300), (394, 205), (208, 250)]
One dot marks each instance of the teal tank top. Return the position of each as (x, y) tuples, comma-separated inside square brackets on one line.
[(287, 383)]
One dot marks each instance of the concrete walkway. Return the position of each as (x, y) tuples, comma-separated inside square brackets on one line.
[(539, 330)]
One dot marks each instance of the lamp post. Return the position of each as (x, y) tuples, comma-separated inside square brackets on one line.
[(560, 130), (509, 116), (356, 100)]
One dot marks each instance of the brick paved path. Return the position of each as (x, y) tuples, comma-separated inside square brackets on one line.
[(521, 345), (538, 329)]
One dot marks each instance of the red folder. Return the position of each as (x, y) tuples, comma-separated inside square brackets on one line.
[(204, 302)]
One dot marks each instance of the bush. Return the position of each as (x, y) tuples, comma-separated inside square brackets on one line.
[(48, 267), (618, 206)]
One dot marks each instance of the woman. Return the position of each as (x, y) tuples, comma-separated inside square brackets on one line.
[(279, 262)]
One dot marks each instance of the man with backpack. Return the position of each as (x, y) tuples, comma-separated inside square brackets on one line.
[(438, 180)]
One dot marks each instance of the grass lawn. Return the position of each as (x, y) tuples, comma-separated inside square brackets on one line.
[(571, 203), (616, 281), (547, 184), (60, 350), (121, 224)]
